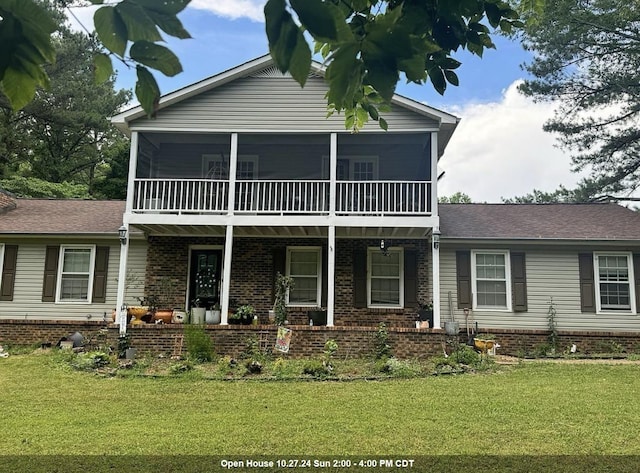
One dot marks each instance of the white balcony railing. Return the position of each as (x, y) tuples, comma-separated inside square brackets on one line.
[(282, 197)]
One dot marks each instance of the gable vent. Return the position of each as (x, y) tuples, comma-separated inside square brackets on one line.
[(273, 73)]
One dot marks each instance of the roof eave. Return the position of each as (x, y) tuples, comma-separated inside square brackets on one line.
[(542, 241)]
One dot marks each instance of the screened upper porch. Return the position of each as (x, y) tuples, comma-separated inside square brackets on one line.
[(374, 173)]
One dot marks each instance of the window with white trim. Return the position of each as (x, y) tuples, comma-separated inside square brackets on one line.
[(491, 280), (304, 265), (615, 290), (385, 278), (75, 273)]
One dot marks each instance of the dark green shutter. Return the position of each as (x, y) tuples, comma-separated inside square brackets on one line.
[(636, 276), (463, 278), (279, 266), (360, 279), (50, 274), (325, 277), (519, 282), (8, 272), (100, 274), (587, 284), (410, 278)]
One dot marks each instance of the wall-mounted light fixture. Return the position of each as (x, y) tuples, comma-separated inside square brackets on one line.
[(435, 237), (122, 231), (384, 246)]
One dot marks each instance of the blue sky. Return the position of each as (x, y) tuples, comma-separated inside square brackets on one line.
[(499, 149)]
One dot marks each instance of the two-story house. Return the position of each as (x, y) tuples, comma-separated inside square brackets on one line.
[(241, 176)]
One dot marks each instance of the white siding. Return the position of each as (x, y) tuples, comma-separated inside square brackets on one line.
[(550, 273), (27, 297), (267, 103)]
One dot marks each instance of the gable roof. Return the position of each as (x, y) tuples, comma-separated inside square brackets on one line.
[(597, 221), (63, 217), (446, 121)]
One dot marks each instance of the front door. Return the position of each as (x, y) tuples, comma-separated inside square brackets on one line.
[(204, 277)]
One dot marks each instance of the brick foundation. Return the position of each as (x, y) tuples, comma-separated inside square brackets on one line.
[(309, 341)]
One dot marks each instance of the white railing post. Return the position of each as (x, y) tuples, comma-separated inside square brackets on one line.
[(233, 166), (333, 172), (434, 175)]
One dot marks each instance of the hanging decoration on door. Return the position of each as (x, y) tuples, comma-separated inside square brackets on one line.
[(205, 282)]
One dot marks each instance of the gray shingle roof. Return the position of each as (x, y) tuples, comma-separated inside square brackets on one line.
[(58, 216), (539, 221)]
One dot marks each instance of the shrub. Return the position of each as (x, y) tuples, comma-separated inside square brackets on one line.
[(180, 367), (317, 369), (90, 361), (381, 347), (400, 368), (199, 344), (465, 355)]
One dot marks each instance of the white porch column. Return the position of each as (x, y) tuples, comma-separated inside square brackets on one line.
[(226, 275), (333, 166), (133, 166), (233, 167), (435, 277), (434, 173), (121, 313), (331, 275)]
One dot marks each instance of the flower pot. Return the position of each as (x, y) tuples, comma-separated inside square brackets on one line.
[(318, 317), (179, 317), (212, 317), (164, 315), (198, 315), (426, 315)]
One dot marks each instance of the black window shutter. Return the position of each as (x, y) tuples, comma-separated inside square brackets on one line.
[(279, 266), (8, 272), (410, 278), (519, 282), (100, 274), (587, 283), (50, 274), (359, 279), (325, 277), (463, 277), (636, 276)]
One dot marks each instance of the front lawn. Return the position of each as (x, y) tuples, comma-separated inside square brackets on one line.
[(534, 408)]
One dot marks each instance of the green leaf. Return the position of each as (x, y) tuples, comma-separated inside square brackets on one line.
[(111, 30), (167, 7), (19, 87), (300, 60), (451, 77), (383, 124), (102, 67), (449, 63), (414, 68), (156, 57), (147, 91), (282, 33), (139, 26), (316, 17), (170, 24), (383, 79), (437, 79)]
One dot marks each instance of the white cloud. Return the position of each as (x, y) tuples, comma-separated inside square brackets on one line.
[(251, 9), (500, 150)]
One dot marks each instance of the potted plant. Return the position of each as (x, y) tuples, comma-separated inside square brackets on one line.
[(318, 316), (213, 314), (243, 315), (425, 314), (283, 285), (165, 300), (198, 311)]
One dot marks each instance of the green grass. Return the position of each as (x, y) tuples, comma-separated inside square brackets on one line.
[(535, 408)]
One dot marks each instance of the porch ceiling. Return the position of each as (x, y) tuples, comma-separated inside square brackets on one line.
[(283, 231)]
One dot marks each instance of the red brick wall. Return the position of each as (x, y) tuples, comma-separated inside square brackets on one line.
[(252, 274), (309, 341)]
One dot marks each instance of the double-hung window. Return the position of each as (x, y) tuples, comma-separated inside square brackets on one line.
[(304, 265), (491, 280), (614, 282), (75, 273), (385, 280)]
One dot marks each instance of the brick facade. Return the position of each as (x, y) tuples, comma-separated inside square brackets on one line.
[(309, 341), (253, 269)]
